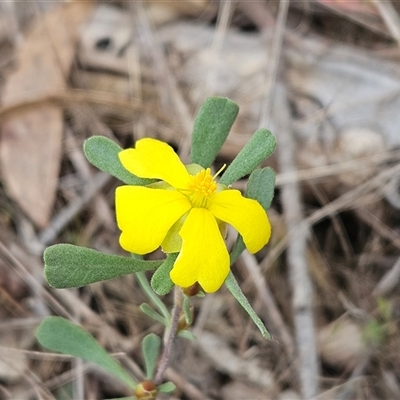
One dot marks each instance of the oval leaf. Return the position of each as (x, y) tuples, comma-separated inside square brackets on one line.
[(61, 335), (103, 154), (151, 350), (211, 128), (68, 266), (167, 387), (257, 149), (261, 186)]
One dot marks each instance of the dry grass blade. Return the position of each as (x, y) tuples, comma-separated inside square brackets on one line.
[(226, 361), (224, 16), (189, 389), (169, 89), (79, 161), (297, 227), (390, 16), (273, 64), (270, 311), (389, 281), (60, 221)]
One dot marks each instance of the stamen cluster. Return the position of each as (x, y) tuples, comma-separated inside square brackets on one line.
[(202, 186)]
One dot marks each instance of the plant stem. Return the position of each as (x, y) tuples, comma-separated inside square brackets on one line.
[(170, 334), (144, 283)]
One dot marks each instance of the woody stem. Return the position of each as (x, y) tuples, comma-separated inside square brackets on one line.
[(170, 334)]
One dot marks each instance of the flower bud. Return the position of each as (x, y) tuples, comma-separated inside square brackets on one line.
[(146, 390), (192, 290)]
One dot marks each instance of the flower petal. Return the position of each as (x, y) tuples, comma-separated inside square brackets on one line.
[(246, 215), (154, 159), (204, 257), (145, 215)]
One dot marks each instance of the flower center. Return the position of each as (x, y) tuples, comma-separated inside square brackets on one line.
[(201, 187)]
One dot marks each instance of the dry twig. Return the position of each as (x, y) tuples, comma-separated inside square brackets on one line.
[(297, 229), (271, 310), (390, 16)]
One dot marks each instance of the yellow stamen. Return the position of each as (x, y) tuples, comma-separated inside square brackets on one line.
[(201, 187), (219, 171)]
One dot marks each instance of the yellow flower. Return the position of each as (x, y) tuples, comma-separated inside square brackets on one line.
[(184, 212)]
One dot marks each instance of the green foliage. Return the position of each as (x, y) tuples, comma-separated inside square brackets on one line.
[(103, 154), (151, 350), (261, 145), (187, 310), (167, 387), (211, 128), (146, 309), (385, 309), (161, 281), (187, 335), (378, 329), (61, 335), (374, 333), (238, 249), (152, 295), (261, 186), (68, 266), (237, 293)]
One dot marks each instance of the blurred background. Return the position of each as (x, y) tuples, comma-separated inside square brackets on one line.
[(322, 75)]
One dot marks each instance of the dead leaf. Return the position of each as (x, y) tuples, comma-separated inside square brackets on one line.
[(359, 6), (340, 343), (30, 143)]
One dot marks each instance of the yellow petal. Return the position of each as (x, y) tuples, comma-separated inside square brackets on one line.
[(245, 215), (145, 216), (204, 257), (154, 159)]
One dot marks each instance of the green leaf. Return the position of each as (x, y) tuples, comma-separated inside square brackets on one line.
[(211, 128), (167, 387), (234, 288), (146, 309), (187, 310), (161, 281), (152, 295), (261, 186), (68, 266), (103, 154), (61, 335), (151, 350), (238, 249), (187, 335), (257, 149)]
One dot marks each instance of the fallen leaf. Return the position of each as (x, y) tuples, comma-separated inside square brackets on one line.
[(30, 142), (359, 6)]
